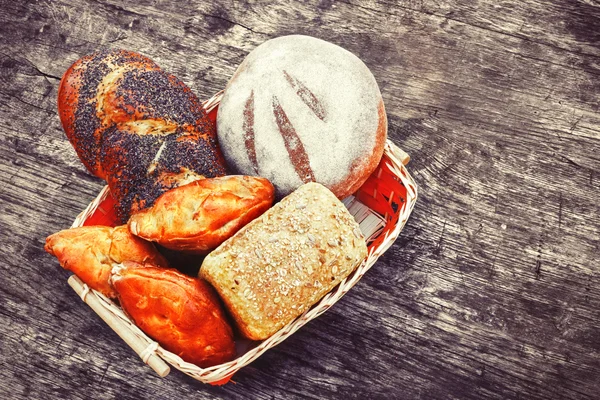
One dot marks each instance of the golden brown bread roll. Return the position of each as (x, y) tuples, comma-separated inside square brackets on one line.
[(283, 262), (182, 313), (138, 127), (92, 251), (199, 216)]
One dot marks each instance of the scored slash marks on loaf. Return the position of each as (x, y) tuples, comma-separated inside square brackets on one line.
[(248, 128), (293, 144), (306, 96), (292, 141)]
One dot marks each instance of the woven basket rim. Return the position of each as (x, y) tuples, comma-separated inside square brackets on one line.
[(223, 371)]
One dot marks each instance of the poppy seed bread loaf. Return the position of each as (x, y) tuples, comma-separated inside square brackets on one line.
[(136, 126)]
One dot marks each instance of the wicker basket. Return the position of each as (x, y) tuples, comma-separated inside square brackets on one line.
[(389, 195)]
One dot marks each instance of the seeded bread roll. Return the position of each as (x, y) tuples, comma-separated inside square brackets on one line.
[(283, 262)]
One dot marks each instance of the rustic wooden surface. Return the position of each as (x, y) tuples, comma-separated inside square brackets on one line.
[(493, 288)]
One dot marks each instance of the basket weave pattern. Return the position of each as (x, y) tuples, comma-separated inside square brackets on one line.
[(390, 192)]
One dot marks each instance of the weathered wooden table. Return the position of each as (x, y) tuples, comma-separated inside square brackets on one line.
[(493, 288)]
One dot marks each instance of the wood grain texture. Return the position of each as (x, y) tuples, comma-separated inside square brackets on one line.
[(492, 290)]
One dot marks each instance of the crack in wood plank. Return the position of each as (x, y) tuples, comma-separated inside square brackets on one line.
[(40, 72), (27, 103), (233, 23)]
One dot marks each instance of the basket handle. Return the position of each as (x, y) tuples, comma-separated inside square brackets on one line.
[(136, 343)]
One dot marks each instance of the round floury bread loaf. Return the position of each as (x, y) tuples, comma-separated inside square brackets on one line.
[(300, 109)]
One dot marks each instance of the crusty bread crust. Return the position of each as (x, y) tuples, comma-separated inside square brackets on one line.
[(283, 262), (362, 168)]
